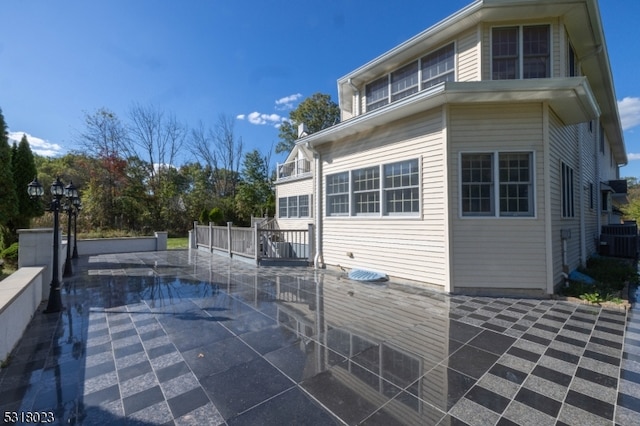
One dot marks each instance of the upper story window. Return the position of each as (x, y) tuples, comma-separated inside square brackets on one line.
[(378, 93), (404, 82), (521, 52), (438, 66), (434, 68)]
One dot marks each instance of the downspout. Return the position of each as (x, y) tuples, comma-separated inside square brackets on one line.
[(598, 192), (318, 260), (357, 93), (582, 240)]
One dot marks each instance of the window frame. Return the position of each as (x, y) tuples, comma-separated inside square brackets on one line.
[(520, 56), (386, 190), (495, 186), (284, 211), (337, 195), (378, 175)]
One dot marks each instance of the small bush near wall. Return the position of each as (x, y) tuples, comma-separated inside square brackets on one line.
[(9, 256), (610, 276)]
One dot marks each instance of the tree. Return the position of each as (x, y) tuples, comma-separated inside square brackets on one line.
[(255, 191), (24, 170), (316, 112), (104, 137), (8, 197)]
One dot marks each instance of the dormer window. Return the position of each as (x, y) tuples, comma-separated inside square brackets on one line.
[(521, 52)]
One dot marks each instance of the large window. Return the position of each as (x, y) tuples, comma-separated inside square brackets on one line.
[(401, 187), (366, 190), (496, 182), (388, 189), (521, 52), (434, 68), (293, 207), (567, 191), (338, 194)]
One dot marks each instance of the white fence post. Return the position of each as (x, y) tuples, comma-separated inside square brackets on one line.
[(311, 242), (229, 238), (210, 238), (256, 243)]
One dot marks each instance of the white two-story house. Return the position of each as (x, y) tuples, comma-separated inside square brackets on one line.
[(475, 156)]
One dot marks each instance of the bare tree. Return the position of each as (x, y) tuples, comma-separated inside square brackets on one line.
[(221, 150), (104, 135), (155, 136)]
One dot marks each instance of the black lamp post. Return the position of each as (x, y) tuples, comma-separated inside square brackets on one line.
[(78, 206), (35, 190), (71, 193)]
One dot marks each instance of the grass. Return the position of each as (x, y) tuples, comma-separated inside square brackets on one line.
[(177, 243)]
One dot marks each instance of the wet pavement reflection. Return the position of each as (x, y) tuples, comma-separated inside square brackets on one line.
[(192, 338)]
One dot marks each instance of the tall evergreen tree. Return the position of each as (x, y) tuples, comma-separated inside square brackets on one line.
[(8, 198), (24, 170)]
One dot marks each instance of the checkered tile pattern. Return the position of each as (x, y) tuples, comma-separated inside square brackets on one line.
[(191, 338)]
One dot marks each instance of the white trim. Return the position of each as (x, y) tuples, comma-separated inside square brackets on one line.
[(548, 218)]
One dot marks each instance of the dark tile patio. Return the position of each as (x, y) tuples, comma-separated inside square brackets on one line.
[(179, 338)]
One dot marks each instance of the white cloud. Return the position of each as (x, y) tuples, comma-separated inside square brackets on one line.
[(633, 157), (629, 109), (38, 146), (287, 102), (262, 119), (240, 116)]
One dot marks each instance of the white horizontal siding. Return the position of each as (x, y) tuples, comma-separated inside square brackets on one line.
[(411, 248), (497, 252), (468, 56), (563, 141)]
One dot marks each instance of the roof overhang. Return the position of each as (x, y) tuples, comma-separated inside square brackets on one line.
[(571, 98), (580, 17)]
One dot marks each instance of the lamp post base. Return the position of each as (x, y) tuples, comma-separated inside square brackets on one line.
[(68, 269), (55, 301)]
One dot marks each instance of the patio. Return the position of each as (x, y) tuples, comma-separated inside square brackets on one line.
[(182, 337)]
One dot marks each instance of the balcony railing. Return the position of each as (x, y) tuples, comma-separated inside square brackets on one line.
[(298, 167)]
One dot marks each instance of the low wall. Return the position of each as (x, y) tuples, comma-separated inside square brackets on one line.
[(92, 247), (20, 295), (36, 249)]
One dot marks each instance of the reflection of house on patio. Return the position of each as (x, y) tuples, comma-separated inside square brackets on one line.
[(368, 350), (480, 155)]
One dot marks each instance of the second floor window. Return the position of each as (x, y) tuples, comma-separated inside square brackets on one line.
[(436, 67), (521, 52)]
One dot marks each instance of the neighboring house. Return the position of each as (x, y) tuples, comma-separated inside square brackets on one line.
[(480, 155)]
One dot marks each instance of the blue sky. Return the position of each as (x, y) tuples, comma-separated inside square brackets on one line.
[(251, 60)]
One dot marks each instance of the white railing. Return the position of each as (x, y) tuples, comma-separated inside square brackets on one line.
[(257, 243), (298, 167)]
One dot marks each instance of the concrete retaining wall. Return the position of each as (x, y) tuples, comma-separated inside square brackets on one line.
[(20, 295)]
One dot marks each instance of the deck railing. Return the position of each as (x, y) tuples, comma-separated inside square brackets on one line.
[(262, 242), (293, 168)]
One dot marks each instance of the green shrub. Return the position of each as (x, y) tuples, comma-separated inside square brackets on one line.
[(610, 275), (216, 216), (10, 256)]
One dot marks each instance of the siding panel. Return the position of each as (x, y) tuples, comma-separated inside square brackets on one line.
[(504, 253), (412, 248)]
